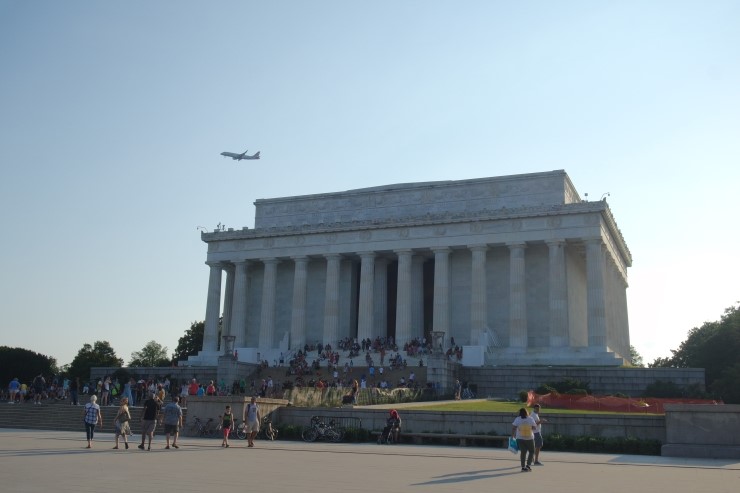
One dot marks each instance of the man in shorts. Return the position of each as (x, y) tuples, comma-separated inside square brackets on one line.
[(251, 416), (172, 421), (149, 419), (538, 442)]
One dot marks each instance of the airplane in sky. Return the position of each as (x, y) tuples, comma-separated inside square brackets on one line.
[(239, 157)]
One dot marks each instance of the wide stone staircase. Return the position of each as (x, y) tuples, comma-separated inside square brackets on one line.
[(61, 416)]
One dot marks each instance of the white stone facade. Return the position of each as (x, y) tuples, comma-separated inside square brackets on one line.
[(519, 264)]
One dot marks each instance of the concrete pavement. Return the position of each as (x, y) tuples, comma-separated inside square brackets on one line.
[(37, 460)]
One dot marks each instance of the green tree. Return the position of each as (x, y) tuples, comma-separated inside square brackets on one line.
[(635, 357), (714, 346), (101, 354), (24, 364), (191, 342), (153, 354)]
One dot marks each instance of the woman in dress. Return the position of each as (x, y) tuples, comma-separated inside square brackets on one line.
[(91, 415), (121, 422)]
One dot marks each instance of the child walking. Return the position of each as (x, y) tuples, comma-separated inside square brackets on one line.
[(227, 421)]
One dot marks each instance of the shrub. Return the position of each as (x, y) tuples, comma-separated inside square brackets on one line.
[(523, 396), (357, 435), (663, 389), (289, 432), (564, 386), (577, 392), (614, 445)]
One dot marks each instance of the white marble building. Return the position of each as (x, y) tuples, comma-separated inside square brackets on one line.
[(518, 269)]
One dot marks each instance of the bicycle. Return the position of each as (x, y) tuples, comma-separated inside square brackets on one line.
[(267, 431), (318, 430), (202, 429)]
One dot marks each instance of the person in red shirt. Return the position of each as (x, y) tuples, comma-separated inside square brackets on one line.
[(193, 387)]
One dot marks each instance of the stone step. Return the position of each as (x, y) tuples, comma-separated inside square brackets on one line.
[(60, 416)]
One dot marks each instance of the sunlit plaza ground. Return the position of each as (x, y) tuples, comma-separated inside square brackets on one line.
[(35, 461)]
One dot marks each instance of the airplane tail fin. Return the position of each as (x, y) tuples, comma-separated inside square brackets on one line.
[(257, 156)]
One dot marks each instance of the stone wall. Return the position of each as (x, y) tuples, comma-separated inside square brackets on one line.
[(702, 431), (418, 421), (507, 382)]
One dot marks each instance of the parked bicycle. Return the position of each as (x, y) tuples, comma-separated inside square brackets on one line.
[(267, 431), (207, 429), (467, 393), (318, 430)]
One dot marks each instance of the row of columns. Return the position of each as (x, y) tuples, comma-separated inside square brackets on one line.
[(409, 301)]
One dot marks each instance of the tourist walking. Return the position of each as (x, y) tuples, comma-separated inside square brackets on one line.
[(227, 421), (172, 421), (121, 422), (74, 391), (13, 388), (523, 430), (149, 420), (251, 417), (39, 388), (538, 442), (92, 417), (127, 393)]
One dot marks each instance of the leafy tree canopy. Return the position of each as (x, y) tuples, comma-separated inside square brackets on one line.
[(635, 357), (191, 342), (24, 365), (714, 346), (101, 354), (153, 354)]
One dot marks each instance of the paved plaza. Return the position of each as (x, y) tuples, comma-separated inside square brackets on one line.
[(43, 461)]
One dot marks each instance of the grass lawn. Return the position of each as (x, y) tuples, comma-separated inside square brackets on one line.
[(511, 407)]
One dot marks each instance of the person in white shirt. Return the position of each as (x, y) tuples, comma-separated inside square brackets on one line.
[(538, 442), (523, 430)]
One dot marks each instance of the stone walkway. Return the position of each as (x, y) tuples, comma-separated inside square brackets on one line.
[(43, 461)]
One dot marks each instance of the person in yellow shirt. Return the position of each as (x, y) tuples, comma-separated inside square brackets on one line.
[(523, 429)]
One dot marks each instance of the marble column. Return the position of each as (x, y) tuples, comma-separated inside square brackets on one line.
[(228, 301), (417, 297), (441, 315), (559, 336), (380, 298), (213, 307), (367, 290), (517, 296), (478, 294), (331, 299), (403, 297), (267, 319), (595, 293), (298, 315), (239, 310)]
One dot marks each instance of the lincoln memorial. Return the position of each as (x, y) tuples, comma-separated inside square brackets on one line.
[(519, 270)]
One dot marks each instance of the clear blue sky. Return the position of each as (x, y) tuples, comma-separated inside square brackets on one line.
[(113, 115)]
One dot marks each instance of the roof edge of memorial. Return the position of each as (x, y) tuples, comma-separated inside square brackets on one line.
[(428, 220), (415, 185)]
